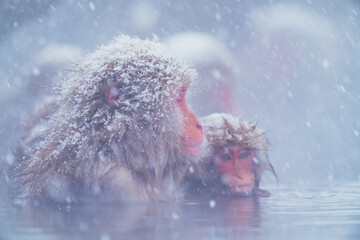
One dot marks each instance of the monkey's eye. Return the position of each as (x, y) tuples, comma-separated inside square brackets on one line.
[(225, 157), (244, 153), (179, 100)]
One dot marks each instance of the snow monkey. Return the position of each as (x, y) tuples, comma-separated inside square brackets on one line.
[(236, 157), (122, 130)]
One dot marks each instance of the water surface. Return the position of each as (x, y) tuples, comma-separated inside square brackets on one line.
[(317, 212)]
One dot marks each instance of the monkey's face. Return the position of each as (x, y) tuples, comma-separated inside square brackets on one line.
[(192, 135), (237, 168)]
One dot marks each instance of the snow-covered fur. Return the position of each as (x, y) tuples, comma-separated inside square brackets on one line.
[(129, 150), (221, 130)]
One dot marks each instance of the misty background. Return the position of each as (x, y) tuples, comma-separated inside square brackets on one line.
[(297, 67)]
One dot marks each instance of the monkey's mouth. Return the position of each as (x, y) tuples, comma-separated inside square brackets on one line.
[(242, 190), (192, 150)]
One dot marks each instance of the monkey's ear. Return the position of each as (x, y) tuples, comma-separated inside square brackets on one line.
[(112, 94)]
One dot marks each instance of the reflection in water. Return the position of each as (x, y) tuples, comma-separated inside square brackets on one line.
[(188, 220), (328, 211), (243, 215)]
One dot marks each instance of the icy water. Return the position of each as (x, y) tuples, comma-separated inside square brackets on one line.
[(320, 212)]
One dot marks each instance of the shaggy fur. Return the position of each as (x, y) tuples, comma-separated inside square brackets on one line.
[(129, 150), (222, 130)]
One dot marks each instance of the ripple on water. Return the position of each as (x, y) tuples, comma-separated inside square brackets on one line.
[(315, 212)]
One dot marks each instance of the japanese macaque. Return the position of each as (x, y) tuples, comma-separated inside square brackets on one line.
[(217, 68), (122, 130), (235, 160)]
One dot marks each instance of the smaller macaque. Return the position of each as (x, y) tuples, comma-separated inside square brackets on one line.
[(236, 157)]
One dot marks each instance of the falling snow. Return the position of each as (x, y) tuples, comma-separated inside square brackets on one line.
[(290, 66)]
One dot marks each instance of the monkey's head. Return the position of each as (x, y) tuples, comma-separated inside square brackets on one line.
[(133, 84), (237, 154)]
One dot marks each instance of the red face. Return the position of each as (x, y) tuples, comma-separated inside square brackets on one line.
[(192, 135), (237, 168)]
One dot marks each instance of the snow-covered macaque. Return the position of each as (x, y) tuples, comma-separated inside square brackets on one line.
[(235, 159), (217, 67), (122, 130)]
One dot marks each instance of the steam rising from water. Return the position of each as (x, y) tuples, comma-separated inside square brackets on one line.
[(298, 67)]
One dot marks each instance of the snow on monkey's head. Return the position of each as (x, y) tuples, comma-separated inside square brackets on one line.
[(144, 88)]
